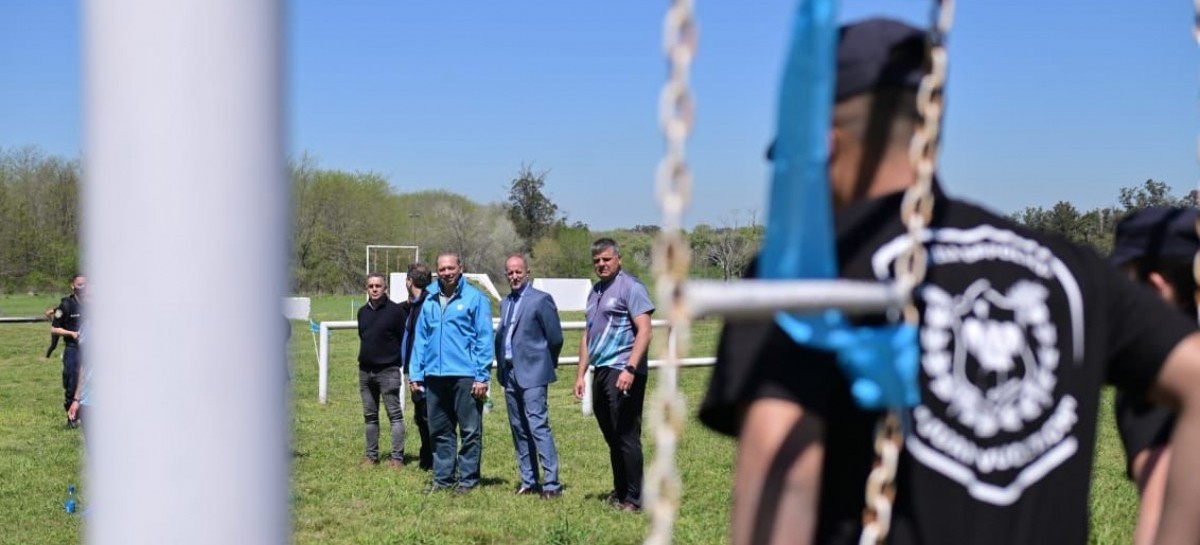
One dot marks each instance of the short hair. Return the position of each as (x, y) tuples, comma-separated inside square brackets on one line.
[(420, 275), (518, 255), (1175, 271), (457, 258), (376, 275), (605, 243), (75, 277)]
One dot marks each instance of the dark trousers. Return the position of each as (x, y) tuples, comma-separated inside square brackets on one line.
[(620, 419), (452, 408), (374, 383), (70, 375), (421, 417)]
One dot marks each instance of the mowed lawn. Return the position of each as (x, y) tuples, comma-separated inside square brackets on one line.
[(335, 501)]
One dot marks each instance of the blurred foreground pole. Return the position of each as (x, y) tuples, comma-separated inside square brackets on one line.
[(185, 245)]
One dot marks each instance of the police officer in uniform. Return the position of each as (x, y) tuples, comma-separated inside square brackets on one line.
[(65, 325)]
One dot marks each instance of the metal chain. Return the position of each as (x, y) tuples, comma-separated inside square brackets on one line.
[(916, 211), (672, 257)]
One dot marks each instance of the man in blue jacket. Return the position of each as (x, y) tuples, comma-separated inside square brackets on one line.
[(527, 347), (451, 362)]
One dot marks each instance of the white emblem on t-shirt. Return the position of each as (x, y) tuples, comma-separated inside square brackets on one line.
[(991, 419)]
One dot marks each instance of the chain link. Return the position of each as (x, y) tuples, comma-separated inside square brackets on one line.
[(672, 256), (916, 211)]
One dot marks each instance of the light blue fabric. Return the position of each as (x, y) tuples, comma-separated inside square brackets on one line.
[(881, 362), (529, 420), (537, 340), (611, 308), (455, 341)]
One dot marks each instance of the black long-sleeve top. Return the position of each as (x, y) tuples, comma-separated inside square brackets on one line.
[(380, 330)]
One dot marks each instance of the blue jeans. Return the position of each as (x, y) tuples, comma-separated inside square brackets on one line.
[(529, 418), (451, 406), (384, 382)]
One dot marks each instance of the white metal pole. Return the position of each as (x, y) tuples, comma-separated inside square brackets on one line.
[(323, 366), (186, 215)]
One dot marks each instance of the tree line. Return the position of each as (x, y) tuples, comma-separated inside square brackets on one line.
[(338, 213)]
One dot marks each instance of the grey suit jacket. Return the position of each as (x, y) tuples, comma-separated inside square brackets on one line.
[(536, 339)]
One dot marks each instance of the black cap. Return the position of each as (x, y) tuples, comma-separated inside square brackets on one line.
[(1154, 234), (876, 53)]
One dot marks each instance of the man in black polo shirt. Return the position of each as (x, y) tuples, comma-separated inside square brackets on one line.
[(1019, 331), (65, 324), (380, 330)]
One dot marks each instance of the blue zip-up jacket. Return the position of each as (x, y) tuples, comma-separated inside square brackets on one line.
[(456, 341)]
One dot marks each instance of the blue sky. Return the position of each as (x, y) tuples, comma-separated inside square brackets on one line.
[(1048, 100)]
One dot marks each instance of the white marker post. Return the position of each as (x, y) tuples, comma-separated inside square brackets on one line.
[(186, 215)]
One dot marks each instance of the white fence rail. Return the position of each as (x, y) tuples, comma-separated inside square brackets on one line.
[(326, 327)]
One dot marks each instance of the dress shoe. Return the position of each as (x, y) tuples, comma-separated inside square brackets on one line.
[(551, 494), (630, 507), (525, 491)]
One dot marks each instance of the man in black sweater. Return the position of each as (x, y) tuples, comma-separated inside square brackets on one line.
[(380, 330), (419, 278)]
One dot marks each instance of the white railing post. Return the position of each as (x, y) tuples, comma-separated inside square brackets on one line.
[(323, 365), (185, 202)]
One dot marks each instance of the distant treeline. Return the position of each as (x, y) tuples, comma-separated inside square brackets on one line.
[(338, 213)]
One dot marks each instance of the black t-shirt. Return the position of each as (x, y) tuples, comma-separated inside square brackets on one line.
[(380, 330), (68, 316), (1019, 332)]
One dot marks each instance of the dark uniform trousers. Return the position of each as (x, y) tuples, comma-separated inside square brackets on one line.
[(620, 418)]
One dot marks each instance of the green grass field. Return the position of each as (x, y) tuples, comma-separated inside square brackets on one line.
[(337, 502)]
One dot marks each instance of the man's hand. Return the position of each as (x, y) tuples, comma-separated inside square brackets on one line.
[(415, 386), (580, 385), (479, 390), (625, 380), (73, 410)]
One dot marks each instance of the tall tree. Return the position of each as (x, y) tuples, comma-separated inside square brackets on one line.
[(532, 213)]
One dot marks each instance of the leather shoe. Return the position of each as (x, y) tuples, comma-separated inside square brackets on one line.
[(630, 507), (551, 494), (525, 491), (396, 464)]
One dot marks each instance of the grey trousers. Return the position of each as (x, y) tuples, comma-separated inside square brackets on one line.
[(375, 383)]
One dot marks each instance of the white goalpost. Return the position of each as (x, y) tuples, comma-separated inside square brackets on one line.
[(374, 259)]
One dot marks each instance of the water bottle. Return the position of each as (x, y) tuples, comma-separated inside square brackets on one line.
[(69, 505)]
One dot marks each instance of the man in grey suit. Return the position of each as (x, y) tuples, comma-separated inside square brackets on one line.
[(527, 346)]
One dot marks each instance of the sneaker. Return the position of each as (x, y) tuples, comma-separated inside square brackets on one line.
[(368, 462), (613, 500), (551, 494), (525, 491), (396, 464), (462, 490), (630, 507)]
